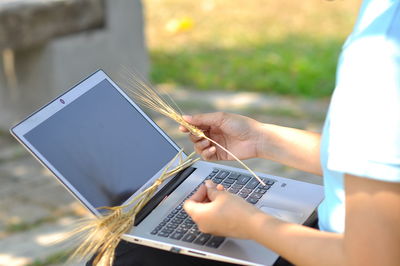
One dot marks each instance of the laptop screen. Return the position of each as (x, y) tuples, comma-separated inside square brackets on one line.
[(102, 145)]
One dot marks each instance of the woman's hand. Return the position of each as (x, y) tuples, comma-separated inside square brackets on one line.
[(219, 212), (239, 134), (247, 138)]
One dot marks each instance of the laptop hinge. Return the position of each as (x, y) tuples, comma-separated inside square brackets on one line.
[(165, 191)]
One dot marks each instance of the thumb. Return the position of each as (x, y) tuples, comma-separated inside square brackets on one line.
[(212, 190), (194, 208), (205, 120)]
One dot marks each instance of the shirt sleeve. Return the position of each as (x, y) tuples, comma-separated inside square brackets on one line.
[(365, 111)]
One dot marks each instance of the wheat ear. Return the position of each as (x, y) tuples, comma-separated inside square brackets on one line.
[(144, 93), (101, 235)]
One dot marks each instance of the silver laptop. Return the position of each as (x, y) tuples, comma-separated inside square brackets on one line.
[(104, 149)]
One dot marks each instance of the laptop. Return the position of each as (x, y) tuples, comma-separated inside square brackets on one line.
[(104, 149)]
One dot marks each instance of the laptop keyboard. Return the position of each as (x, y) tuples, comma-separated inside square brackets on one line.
[(179, 226)]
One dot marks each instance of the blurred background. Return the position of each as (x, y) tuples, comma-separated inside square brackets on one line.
[(278, 47), (272, 60)]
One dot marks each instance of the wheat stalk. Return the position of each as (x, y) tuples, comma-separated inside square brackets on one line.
[(144, 93), (101, 235)]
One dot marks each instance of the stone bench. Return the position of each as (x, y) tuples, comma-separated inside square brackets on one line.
[(33, 22), (49, 45)]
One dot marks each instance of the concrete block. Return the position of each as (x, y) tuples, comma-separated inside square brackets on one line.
[(44, 71), (24, 24)]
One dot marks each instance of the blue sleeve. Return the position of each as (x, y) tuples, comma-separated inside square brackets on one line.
[(365, 110)]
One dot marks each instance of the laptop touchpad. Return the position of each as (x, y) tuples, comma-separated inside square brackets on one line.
[(286, 215)]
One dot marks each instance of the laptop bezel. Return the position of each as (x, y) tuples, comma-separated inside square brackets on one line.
[(62, 101)]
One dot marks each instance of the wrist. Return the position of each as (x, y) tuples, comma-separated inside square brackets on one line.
[(257, 223), (261, 225), (262, 141)]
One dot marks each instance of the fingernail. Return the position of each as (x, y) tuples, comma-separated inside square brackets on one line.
[(186, 204), (189, 206), (209, 184), (187, 117), (204, 142), (220, 187)]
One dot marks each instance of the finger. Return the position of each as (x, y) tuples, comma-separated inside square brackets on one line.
[(202, 144), (183, 129), (209, 154), (205, 120), (190, 206), (212, 191), (194, 138), (195, 209), (187, 118), (199, 151), (220, 187), (200, 195), (209, 184)]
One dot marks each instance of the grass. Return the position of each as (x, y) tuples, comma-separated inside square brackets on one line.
[(280, 47), (294, 66)]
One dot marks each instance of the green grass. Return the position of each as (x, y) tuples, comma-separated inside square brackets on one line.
[(296, 66), (280, 47)]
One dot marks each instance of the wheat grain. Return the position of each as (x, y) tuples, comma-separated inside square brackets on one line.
[(145, 94), (101, 235)]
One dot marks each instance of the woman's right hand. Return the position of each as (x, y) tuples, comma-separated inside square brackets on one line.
[(239, 134)]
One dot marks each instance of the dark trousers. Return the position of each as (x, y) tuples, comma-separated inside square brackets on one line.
[(129, 254)]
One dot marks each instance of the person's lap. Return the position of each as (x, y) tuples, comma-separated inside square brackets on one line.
[(129, 254)]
